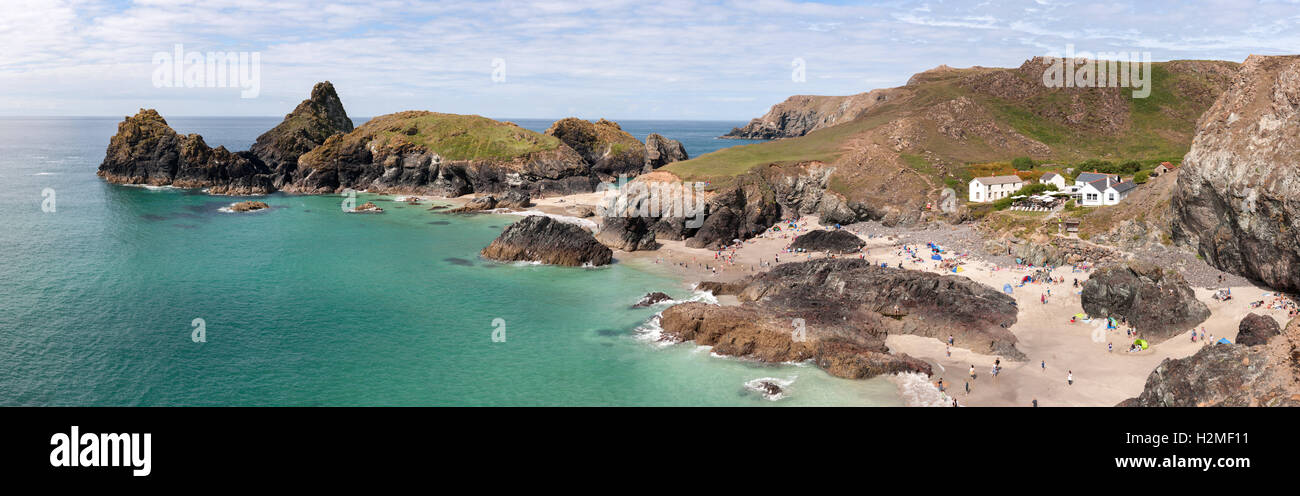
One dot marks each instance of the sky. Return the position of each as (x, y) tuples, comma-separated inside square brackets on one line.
[(663, 59)]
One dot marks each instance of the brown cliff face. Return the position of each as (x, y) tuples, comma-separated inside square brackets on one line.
[(1236, 198)]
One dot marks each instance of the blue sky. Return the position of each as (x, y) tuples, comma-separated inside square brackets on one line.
[(669, 59)]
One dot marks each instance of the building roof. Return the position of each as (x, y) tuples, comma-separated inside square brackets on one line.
[(991, 180), (1124, 186), (1089, 177), (1048, 177)]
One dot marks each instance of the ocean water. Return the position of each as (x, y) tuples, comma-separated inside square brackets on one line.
[(306, 305)]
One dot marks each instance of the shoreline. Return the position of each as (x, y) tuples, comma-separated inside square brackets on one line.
[(1043, 330)]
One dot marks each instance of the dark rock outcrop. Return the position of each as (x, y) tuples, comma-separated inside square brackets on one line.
[(831, 241), (1237, 188), (652, 299), (661, 151), (745, 209), (542, 239), (307, 127), (476, 204), (1158, 303), (515, 198), (847, 308), (627, 234), (1256, 329), (1229, 375), (146, 150), (603, 144)]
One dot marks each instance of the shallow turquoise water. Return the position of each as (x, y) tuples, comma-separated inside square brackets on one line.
[(306, 305)]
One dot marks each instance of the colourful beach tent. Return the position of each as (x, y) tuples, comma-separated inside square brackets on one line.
[(1007, 289), (1224, 341), (1141, 342)]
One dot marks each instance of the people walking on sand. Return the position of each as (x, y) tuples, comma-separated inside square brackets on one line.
[(967, 388), (972, 372), (949, 351), (1110, 347), (950, 340), (1035, 402), (1043, 365), (1069, 378)]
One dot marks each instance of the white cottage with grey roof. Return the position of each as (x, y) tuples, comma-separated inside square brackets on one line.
[(987, 189)]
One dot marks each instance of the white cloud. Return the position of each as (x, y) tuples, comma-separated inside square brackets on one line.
[(669, 59)]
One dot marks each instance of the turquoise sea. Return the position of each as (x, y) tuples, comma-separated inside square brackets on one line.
[(306, 305)]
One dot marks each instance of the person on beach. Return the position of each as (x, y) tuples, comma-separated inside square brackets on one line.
[(972, 372), (949, 351), (1043, 365), (1035, 402), (1069, 378), (1110, 347), (950, 340), (967, 388)]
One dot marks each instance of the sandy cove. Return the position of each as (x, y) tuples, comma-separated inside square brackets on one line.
[(1044, 331)]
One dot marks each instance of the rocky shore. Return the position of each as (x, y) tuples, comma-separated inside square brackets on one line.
[(838, 312)]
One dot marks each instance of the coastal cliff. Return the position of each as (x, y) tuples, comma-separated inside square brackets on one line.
[(307, 127), (146, 150), (847, 307), (1236, 195)]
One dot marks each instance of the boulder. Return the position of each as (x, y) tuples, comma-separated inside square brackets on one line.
[(1256, 329), (542, 239), (367, 208), (476, 204), (515, 199), (1158, 303), (626, 234), (652, 299), (249, 206), (1235, 199), (831, 241)]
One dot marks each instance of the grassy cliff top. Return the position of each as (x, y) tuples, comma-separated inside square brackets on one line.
[(452, 136), (944, 120)]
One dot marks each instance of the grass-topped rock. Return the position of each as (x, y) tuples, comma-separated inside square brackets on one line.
[(419, 152)]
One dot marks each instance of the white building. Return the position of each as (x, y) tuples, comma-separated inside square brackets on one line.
[(1104, 191), (1053, 179), (987, 189)]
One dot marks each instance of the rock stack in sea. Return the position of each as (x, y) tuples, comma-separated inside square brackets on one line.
[(543, 239)]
